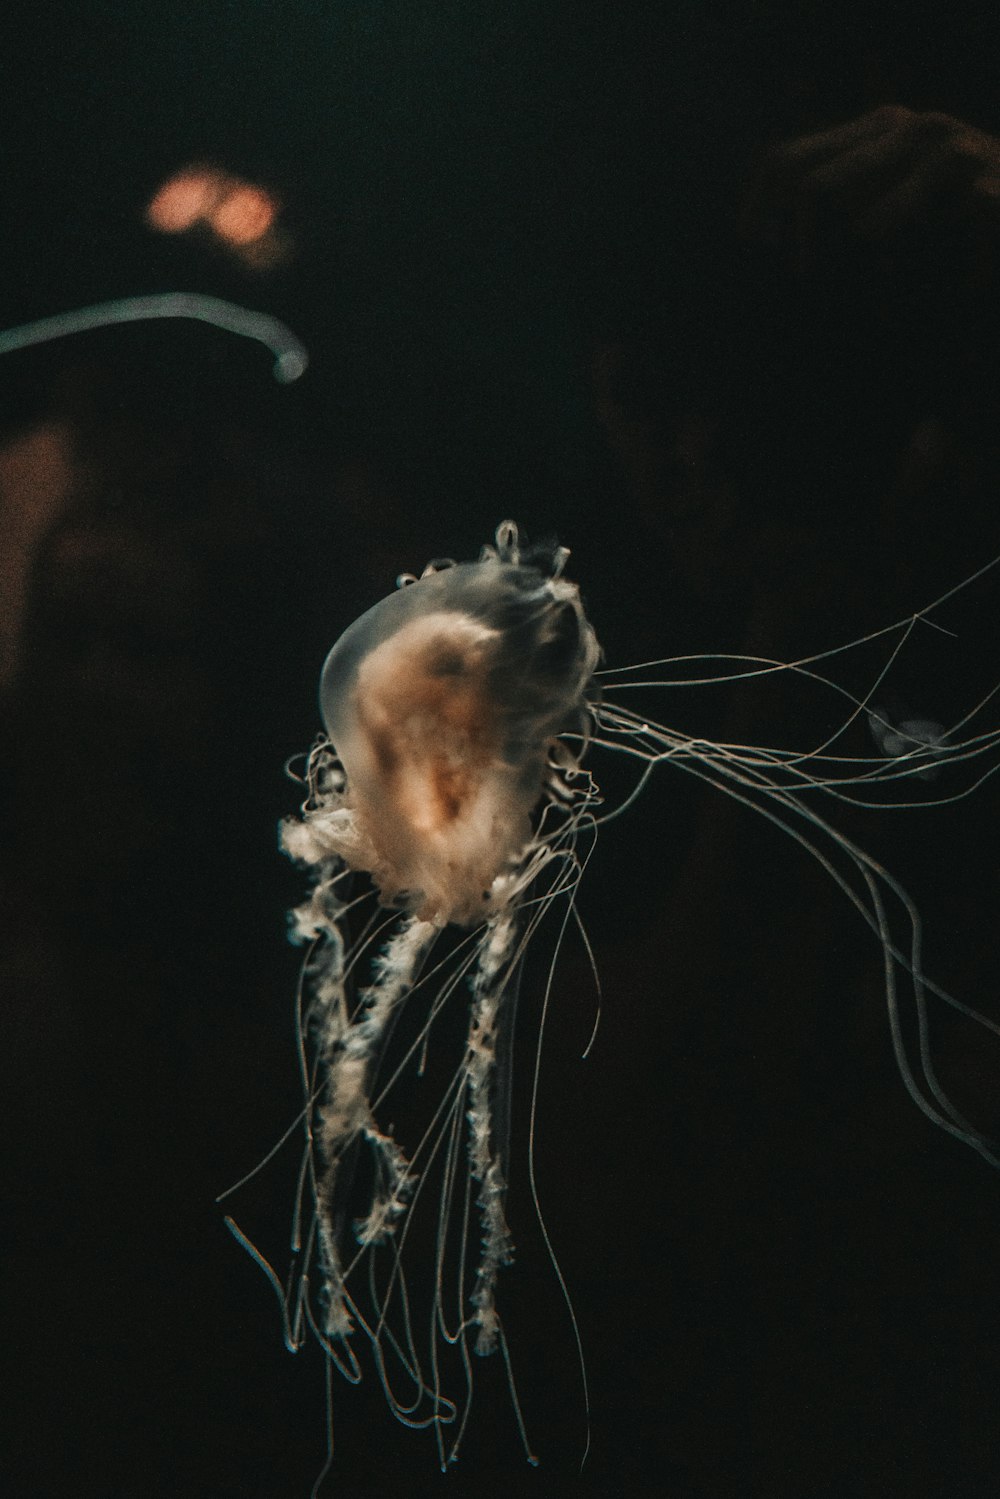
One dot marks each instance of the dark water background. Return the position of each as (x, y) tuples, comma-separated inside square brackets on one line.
[(519, 260)]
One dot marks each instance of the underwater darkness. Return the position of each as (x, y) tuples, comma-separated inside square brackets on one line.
[(545, 268)]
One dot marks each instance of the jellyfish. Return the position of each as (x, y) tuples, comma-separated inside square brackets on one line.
[(449, 815), (446, 780)]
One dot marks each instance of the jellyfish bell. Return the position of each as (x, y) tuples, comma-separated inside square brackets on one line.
[(441, 703)]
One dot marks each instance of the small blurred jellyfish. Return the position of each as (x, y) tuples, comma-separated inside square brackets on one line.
[(450, 787), (899, 734)]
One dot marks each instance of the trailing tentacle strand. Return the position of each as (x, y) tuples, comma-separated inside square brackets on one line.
[(496, 956), (350, 1054)]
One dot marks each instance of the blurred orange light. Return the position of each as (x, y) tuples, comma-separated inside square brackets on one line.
[(239, 214), (243, 215), (183, 200)]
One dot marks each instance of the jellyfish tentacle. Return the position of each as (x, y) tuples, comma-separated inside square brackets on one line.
[(496, 954), (350, 1052)]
